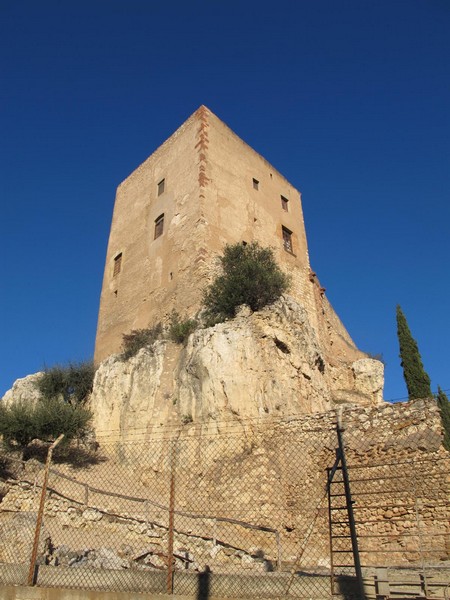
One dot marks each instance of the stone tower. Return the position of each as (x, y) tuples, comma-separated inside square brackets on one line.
[(203, 188)]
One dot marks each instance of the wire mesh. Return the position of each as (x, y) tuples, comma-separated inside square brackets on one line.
[(19, 509), (248, 514), (401, 492)]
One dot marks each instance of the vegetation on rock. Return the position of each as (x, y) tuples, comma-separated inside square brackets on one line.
[(63, 391), (23, 422), (139, 338), (416, 379), (250, 275), (180, 330), (73, 383)]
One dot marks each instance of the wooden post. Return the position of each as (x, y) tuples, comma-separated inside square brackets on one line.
[(170, 557), (37, 533)]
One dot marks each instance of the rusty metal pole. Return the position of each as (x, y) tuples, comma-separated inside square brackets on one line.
[(330, 473), (171, 521), (350, 513), (37, 532)]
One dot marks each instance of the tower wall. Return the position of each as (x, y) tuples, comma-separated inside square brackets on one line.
[(151, 270), (216, 190)]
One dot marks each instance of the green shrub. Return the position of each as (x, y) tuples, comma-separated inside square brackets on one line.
[(18, 425), (139, 338), (23, 422), (250, 275), (179, 330), (72, 383)]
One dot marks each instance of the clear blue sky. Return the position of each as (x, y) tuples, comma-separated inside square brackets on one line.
[(349, 99)]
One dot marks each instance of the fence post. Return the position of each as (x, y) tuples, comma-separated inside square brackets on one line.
[(171, 519), (37, 532), (351, 516)]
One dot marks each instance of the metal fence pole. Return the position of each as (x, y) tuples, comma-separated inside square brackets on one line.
[(170, 557), (351, 516), (37, 533)]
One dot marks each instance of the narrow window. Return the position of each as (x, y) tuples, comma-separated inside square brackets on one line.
[(287, 240), (159, 226), (255, 184), (117, 264), (161, 186), (284, 203)]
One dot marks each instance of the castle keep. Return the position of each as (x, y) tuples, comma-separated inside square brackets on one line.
[(203, 188)]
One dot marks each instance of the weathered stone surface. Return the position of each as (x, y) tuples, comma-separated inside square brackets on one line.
[(23, 390), (271, 362), (201, 183), (274, 475)]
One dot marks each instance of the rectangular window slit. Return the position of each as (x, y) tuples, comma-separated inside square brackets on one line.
[(161, 186), (159, 226), (284, 203), (287, 239), (117, 264), (255, 184)]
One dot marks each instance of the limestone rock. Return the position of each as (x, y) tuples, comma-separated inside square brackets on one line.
[(23, 390), (270, 363), (369, 376)]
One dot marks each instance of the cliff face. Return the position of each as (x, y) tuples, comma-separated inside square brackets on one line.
[(267, 364), (270, 363)]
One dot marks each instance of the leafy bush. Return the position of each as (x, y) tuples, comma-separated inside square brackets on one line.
[(179, 330), (18, 424), (139, 338), (250, 275), (73, 382), (22, 422)]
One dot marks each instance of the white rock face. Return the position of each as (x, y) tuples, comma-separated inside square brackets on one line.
[(23, 390), (369, 377), (268, 363)]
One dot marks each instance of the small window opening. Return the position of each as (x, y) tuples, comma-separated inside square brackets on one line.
[(255, 184), (117, 264), (284, 203), (161, 186), (287, 240), (159, 226), (244, 243)]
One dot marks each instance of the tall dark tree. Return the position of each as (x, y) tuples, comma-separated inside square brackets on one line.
[(444, 407), (416, 378)]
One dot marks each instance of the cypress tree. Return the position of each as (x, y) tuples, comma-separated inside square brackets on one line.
[(416, 379), (444, 406)]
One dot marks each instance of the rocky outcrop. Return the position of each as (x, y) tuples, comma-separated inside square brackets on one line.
[(23, 390), (268, 363)]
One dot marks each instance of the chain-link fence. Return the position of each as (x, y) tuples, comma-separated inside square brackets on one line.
[(400, 486), (260, 513)]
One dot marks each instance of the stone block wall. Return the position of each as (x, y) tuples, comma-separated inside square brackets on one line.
[(250, 501)]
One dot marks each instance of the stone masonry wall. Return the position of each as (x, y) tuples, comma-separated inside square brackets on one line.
[(272, 478)]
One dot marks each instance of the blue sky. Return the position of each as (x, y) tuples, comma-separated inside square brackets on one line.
[(349, 99)]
